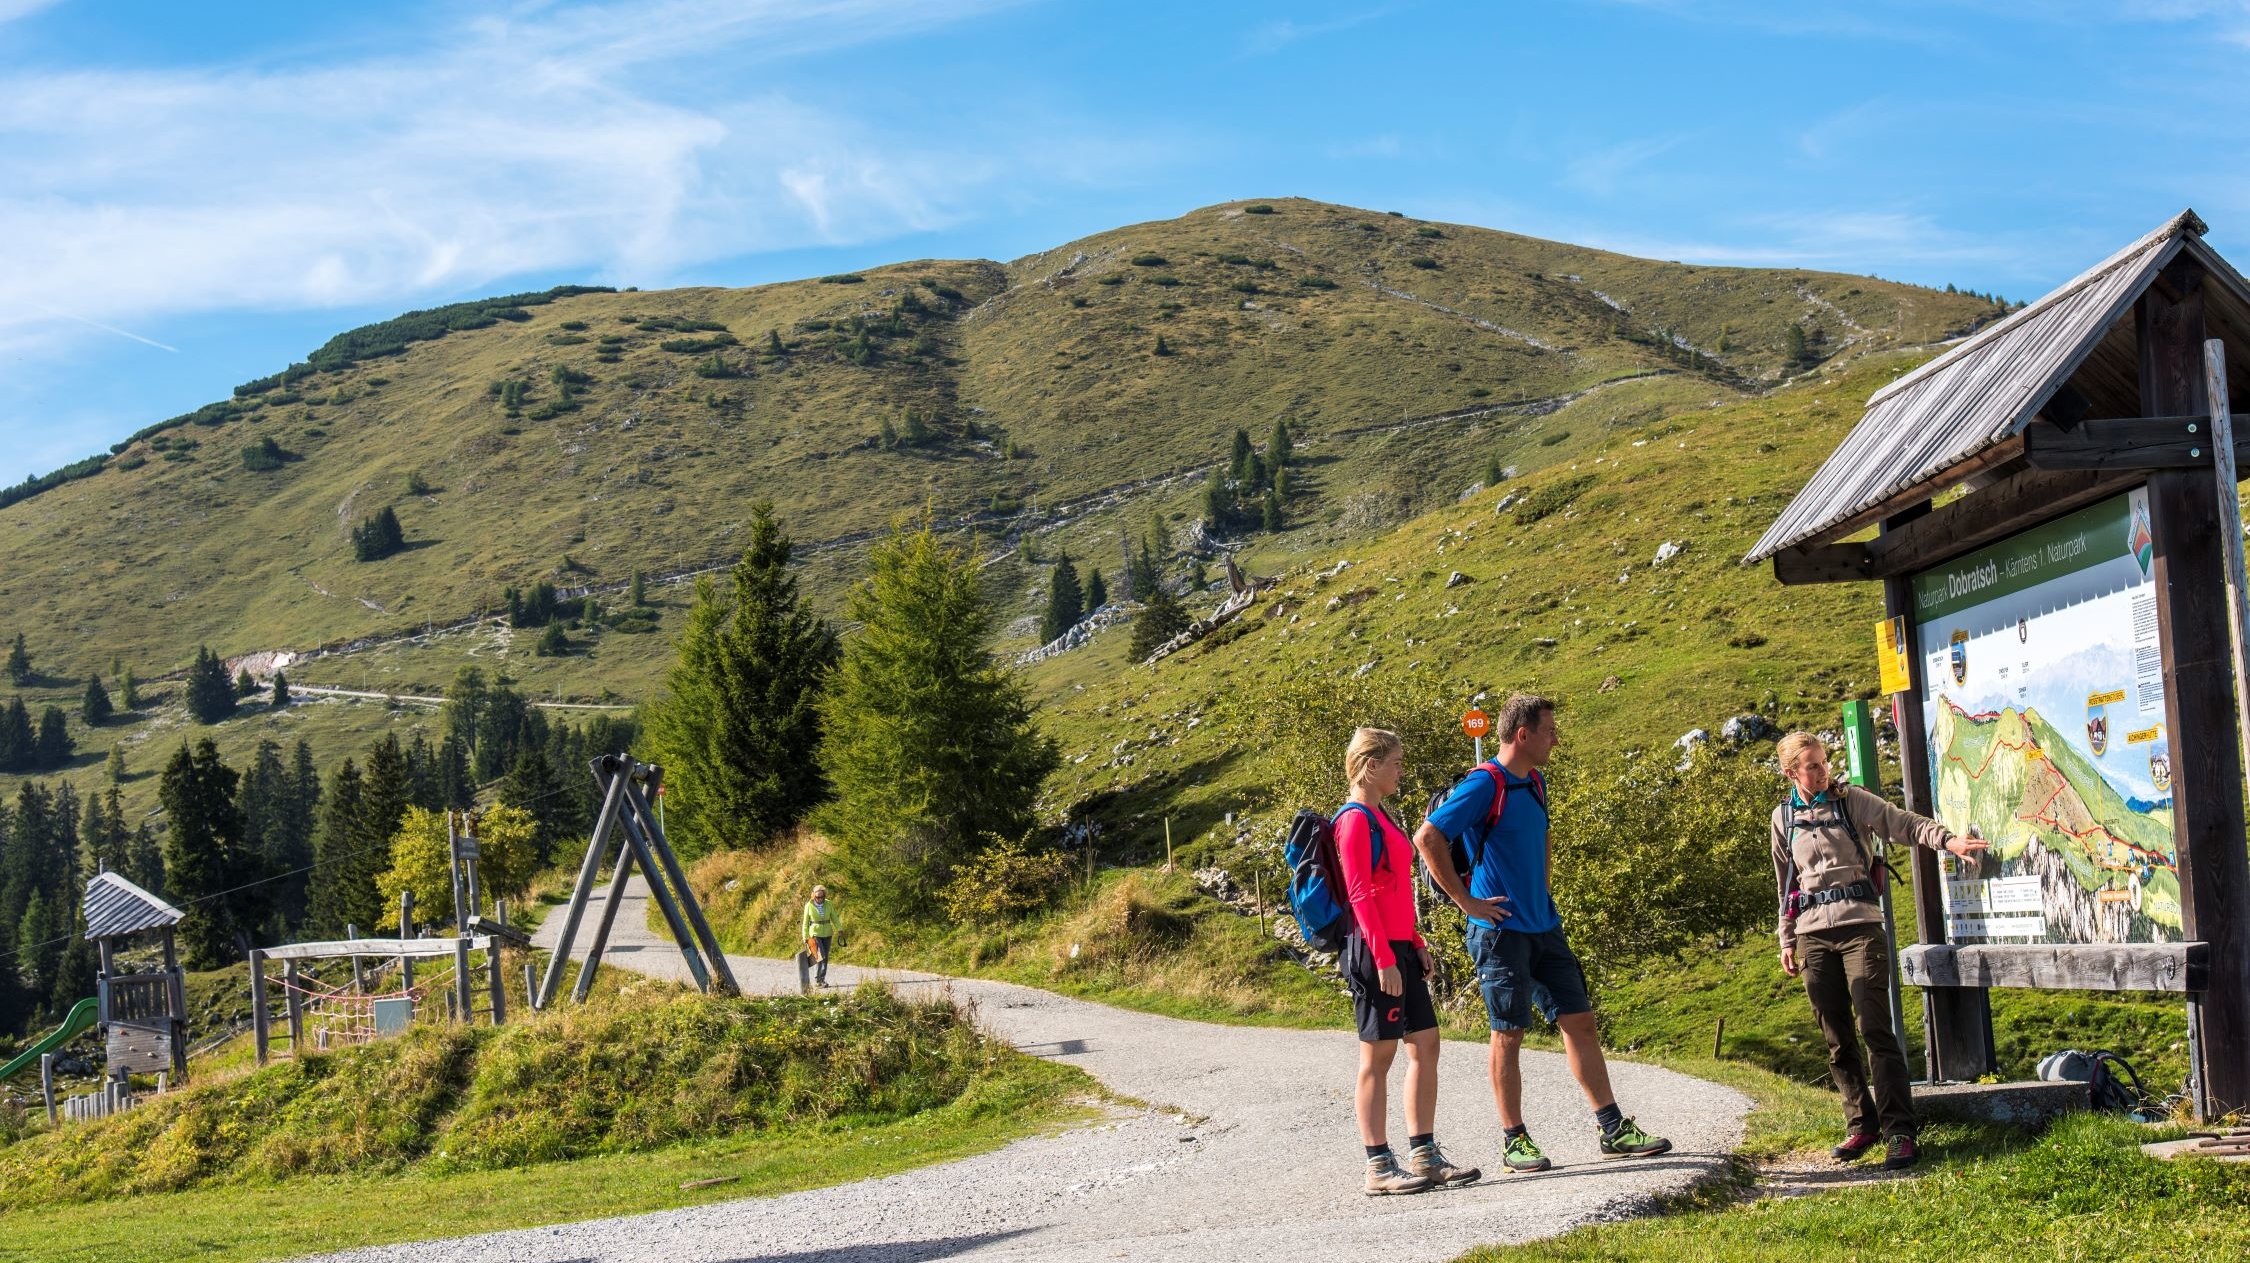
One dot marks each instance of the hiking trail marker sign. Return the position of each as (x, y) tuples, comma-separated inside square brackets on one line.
[(1476, 723)]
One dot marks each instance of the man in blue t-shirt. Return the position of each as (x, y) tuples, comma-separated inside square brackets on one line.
[(1515, 934)]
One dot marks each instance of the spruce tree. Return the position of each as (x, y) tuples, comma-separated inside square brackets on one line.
[(379, 536), (1493, 470), (205, 858), (19, 663), (1273, 510), (19, 741), (1097, 592), (930, 742), (95, 710), (55, 744), (1793, 345), (244, 683), (464, 706), (280, 690), (1163, 619), (1238, 466), (383, 800), (1279, 447), (1065, 601), (532, 787), (739, 726), (327, 896), (553, 643), (457, 784), (1218, 505), (128, 693), (210, 694), (114, 767), (636, 592)]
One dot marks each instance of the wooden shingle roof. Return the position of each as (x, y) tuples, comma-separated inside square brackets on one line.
[(116, 907), (1928, 428)]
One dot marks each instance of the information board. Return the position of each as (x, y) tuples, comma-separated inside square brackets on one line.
[(2043, 701)]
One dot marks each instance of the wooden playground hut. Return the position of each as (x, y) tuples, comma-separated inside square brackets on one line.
[(2100, 388), (143, 1015)]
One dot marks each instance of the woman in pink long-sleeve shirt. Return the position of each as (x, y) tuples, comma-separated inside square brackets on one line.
[(1388, 965)]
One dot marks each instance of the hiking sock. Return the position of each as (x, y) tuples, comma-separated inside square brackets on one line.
[(1377, 1151), (1426, 1138), (1609, 1118), (1510, 1133)]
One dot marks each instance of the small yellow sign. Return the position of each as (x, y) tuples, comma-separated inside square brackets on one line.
[(2104, 699), (2144, 736), (1890, 654)]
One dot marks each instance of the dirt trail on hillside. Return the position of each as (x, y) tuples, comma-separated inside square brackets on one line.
[(1246, 1151)]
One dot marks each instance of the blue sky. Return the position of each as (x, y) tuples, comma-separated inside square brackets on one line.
[(195, 195)]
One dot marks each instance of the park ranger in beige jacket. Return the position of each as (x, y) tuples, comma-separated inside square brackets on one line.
[(1831, 930)]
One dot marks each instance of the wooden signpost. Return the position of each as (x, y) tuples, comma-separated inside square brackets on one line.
[(2114, 385)]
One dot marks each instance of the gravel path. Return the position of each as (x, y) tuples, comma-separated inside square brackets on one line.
[(1247, 1152)]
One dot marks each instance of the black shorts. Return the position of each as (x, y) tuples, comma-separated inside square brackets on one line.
[(1517, 971), (1382, 1016)]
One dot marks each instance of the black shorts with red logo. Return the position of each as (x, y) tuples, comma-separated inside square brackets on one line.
[(1382, 1016)]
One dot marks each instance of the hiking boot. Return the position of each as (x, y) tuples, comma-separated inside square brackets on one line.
[(1903, 1153), (1522, 1155), (1856, 1145), (1384, 1177), (1629, 1141), (1430, 1162)]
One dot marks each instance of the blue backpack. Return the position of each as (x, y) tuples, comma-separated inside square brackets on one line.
[(1468, 849), (1316, 877)]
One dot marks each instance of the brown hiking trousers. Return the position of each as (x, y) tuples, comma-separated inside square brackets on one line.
[(1847, 972)]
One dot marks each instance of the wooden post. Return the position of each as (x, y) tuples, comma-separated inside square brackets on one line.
[(47, 1084), (1719, 1037), (359, 970), (589, 869), (1167, 843), (462, 994), (531, 985), (453, 868), (258, 1021), (293, 998), (1956, 1021), (177, 987), (610, 905), (496, 981), (405, 931)]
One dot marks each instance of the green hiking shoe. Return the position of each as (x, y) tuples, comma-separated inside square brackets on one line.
[(1522, 1155), (1629, 1141)]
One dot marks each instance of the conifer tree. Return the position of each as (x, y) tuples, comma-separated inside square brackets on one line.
[(532, 787), (930, 742), (1097, 592), (19, 662), (636, 592), (326, 896), (1218, 504), (205, 859), (552, 642), (1793, 345), (1163, 619), (1273, 519), (774, 347), (95, 710), (114, 768), (1492, 470), (19, 741), (128, 693), (210, 694), (1162, 347), (738, 727), (383, 800), (1065, 601), (1239, 465), (457, 784), (1279, 447), (379, 536), (146, 869), (244, 683), (464, 705), (55, 744), (280, 690)]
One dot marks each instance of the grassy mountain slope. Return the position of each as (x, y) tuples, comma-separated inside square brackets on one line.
[(178, 543)]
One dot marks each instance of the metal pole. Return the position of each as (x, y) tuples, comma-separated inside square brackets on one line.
[(588, 870), (636, 839), (615, 897), (715, 956)]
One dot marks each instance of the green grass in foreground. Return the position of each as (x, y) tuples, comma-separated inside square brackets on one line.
[(1021, 1096)]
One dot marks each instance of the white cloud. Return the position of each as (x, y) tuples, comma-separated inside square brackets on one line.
[(1271, 37), (611, 140), (1600, 171)]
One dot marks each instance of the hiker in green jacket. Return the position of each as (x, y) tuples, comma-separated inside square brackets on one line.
[(819, 931)]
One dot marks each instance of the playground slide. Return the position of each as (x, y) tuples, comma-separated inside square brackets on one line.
[(83, 1016)]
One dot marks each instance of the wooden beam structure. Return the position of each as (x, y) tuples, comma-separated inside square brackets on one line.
[(2131, 443), (2199, 684), (2174, 967)]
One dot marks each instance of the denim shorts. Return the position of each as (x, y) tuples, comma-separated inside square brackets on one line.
[(1518, 972)]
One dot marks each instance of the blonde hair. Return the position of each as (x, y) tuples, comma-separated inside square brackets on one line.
[(1792, 749), (1369, 746)]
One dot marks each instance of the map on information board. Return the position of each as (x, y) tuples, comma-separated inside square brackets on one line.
[(2043, 697)]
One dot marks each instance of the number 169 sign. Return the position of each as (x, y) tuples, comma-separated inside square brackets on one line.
[(1476, 723)]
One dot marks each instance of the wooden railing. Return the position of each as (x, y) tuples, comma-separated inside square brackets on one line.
[(140, 998)]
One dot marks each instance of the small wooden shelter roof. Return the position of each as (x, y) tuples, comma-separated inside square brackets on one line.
[(116, 907), (1936, 425)]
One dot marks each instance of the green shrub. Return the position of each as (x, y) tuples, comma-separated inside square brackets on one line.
[(575, 326), (1550, 440), (842, 278), (1258, 209), (1111, 279), (1245, 287), (1426, 231), (1552, 498), (1166, 282), (1315, 282), (697, 346), (263, 455), (1148, 260), (135, 461), (564, 339), (1424, 262)]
